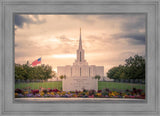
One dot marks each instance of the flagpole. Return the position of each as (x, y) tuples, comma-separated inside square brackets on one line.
[(41, 60), (41, 65), (42, 80)]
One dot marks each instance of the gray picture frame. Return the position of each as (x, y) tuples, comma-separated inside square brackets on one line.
[(7, 10)]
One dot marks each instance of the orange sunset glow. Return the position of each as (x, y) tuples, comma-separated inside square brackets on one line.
[(107, 39)]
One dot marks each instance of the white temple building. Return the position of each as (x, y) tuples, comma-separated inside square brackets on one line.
[(80, 75)]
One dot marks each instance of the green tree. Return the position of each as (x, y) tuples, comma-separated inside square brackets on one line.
[(62, 77), (112, 73), (25, 72), (19, 71), (134, 68), (97, 77)]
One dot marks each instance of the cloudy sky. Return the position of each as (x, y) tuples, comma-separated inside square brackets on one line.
[(107, 39)]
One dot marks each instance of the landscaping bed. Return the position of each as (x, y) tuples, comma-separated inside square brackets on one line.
[(55, 93)]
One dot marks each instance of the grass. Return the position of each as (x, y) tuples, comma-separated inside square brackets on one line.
[(120, 86), (101, 85), (37, 85)]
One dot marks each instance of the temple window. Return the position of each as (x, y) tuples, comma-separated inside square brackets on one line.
[(80, 56)]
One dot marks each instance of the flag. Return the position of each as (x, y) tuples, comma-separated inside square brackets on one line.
[(38, 61)]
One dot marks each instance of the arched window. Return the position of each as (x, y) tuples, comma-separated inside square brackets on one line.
[(80, 56), (89, 71), (71, 71)]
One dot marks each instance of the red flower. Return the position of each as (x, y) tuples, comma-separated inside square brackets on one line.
[(55, 90), (92, 96), (18, 91), (35, 91)]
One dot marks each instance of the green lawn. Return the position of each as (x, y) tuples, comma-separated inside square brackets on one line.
[(120, 86), (101, 85), (37, 85)]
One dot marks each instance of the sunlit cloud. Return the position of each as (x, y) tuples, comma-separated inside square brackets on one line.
[(64, 56), (107, 39)]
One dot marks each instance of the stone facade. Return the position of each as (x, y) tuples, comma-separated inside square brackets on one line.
[(80, 75)]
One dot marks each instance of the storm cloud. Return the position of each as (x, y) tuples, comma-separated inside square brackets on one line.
[(133, 29), (132, 38), (20, 20), (135, 23)]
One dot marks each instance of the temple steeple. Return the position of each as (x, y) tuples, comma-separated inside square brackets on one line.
[(80, 52), (80, 41)]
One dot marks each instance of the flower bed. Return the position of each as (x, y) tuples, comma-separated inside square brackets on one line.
[(54, 93)]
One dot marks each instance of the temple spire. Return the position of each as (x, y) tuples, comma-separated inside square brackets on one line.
[(80, 52), (80, 41)]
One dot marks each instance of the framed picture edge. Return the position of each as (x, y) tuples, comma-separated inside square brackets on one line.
[(8, 7)]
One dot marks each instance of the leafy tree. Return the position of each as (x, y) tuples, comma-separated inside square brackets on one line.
[(47, 72), (111, 72), (123, 76), (114, 73), (97, 77), (25, 72), (134, 68), (62, 77), (19, 71)]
